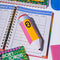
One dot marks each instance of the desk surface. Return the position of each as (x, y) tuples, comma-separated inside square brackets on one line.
[(55, 37)]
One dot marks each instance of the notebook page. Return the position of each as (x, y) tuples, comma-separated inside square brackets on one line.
[(6, 12), (43, 22)]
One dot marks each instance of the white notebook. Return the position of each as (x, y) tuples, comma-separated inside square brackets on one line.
[(43, 20), (6, 13)]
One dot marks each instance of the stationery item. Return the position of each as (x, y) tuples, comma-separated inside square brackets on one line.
[(55, 4), (15, 36), (30, 31), (28, 3), (14, 54), (55, 49), (6, 13)]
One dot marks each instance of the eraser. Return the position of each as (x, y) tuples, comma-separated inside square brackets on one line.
[(30, 31)]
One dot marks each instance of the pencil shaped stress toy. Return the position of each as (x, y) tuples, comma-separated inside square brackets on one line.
[(30, 31)]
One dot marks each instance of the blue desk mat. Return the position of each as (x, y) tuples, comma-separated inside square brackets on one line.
[(55, 4)]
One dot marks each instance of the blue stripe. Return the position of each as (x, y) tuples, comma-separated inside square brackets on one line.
[(6, 6), (26, 10), (0, 57), (34, 11), (40, 13)]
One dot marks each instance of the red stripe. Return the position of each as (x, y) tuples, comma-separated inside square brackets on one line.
[(21, 16)]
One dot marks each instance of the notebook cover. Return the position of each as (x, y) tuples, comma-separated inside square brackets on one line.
[(55, 49), (42, 2), (14, 54), (30, 3)]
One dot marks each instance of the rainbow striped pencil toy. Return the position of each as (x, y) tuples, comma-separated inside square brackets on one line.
[(30, 32)]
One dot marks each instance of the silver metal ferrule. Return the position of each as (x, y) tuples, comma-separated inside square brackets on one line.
[(23, 18)]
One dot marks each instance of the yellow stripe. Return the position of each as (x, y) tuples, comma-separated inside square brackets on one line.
[(28, 0), (30, 30), (14, 0), (38, 0)]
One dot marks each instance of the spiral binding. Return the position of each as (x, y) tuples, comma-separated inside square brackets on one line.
[(6, 32), (4, 38), (11, 30)]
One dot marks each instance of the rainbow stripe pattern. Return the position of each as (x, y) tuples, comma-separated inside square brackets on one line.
[(42, 2), (14, 54)]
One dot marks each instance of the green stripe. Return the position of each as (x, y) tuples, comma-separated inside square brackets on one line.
[(33, 2)]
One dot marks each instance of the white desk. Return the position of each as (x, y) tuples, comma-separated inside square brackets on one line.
[(55, 35)]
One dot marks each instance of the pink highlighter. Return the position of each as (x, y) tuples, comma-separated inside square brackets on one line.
[(29, 30)]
